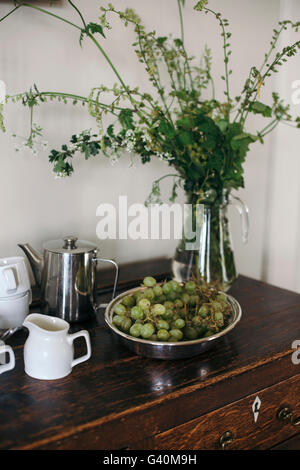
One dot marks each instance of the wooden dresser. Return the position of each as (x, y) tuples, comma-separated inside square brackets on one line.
[(118, 400)]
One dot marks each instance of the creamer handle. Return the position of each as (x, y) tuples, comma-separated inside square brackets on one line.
[(86, 336), (11, 364)]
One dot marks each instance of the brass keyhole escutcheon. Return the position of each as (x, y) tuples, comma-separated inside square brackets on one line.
[(226, 439), (285, 414)]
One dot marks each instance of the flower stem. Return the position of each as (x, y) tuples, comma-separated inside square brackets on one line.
[(79, 12), (16, 8), (218, 17), (92, 38), (181, 20), (29, 5)]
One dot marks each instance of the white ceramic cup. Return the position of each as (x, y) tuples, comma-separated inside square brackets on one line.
[(4, 348), (14, 278), (49, 350), (13, 310)]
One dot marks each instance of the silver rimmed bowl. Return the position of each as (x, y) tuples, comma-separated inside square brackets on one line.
[(166, 350)]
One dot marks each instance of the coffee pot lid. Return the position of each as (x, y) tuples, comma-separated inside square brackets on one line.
[(71, 245)]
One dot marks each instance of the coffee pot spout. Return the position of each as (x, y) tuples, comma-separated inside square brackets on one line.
[(35, 261)]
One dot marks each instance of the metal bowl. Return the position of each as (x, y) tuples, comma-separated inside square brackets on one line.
[(165, 350)]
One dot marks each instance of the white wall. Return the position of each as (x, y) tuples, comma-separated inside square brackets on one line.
[(35, 207), (282, 225)]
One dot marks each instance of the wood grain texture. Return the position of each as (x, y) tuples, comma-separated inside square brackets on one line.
[(117, 399), (205, 433), (290, 444)]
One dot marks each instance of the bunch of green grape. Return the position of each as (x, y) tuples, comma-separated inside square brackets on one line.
[(172, 311)]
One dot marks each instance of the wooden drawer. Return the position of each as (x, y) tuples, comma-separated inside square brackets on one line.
[(238, 418)]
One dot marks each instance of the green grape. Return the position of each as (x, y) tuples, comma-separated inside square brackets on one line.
[(172, 295), (144, 304), (126, 324), (161, 299), (139, 296), (200, 330), (175, 286), (167, 288), (163, 325), (178, 289), (149, 281), (178, 303), (135, 330), (147, 330), (190, 287), (169, 305), (158, 309), (128, 301), (197, 320), (179, 323), (203, 311), (216, 306), (208, 333), (153, 337), (221, 298), (172, 339), (168, 314), (176, 333), (137, 313), (190, 333), (162, 335), (117, 320), (120, 309), (149, 294), (185, 298), (218, 316), (157, 291)]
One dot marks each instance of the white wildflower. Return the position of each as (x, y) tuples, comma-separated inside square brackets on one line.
[(73, 146), (59, 175), (130, 146), (113, 159), (129, 133)]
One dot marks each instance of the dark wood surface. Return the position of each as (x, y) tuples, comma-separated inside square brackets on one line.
[(204, 433), (119, 400)]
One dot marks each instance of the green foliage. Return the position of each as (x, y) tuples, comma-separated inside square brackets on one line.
[(259, 108), (91, 29), (2, 126), (200, 5)]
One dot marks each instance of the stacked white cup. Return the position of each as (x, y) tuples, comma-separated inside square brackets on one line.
[(15, 292)]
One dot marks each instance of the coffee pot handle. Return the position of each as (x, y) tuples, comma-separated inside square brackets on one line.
[(11, 364), (116, 278), (244, 213), (86, 336)]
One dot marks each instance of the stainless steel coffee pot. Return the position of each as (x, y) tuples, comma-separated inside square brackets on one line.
[(66, 274)]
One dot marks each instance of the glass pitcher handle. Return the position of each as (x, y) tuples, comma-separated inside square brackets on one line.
[(244, 213)]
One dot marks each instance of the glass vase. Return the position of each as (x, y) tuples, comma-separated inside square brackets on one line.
[(209, 253)]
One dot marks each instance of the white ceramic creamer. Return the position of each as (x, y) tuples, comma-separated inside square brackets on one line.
[(49, 350)]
